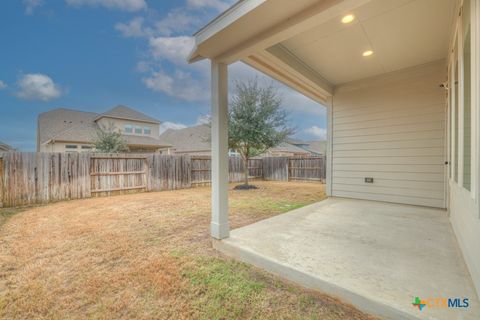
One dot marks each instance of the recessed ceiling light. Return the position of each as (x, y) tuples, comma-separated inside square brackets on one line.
[(367, 53), (348, 18)]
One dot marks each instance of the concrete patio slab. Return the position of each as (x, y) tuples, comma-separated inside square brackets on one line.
[(376, 256)]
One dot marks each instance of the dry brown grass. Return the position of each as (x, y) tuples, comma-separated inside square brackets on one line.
[(148, 256)]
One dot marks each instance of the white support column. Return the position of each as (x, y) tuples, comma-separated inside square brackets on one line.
[(329, 167), (219, 225)]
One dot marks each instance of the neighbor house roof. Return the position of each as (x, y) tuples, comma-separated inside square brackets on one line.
[(124, 112), (192, 139), (66, 125), (287, 147), (5, 147), (319, 147), (145, 141)]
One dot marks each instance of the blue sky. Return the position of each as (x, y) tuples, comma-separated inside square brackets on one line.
[(94, 54)]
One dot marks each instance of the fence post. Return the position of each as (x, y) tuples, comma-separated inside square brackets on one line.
[(1, 182)]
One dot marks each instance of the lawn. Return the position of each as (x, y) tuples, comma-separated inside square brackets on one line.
[(148, 256)]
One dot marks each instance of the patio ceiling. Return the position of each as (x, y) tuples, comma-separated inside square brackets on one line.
[(305, 45), (401, 33)]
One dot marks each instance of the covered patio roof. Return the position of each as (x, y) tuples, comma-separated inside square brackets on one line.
[(305, 44), (316, 47)]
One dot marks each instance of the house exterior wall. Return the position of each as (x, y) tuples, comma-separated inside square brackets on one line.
[(464, 136), (391, 128), (465, 219), (119, 124), (62, 147)]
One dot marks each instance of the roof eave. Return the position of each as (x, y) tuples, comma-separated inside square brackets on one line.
[(148, 145), (124, 118), (195, 56), (222, 21)]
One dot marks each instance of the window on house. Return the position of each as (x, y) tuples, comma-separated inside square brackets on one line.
[(128, 128), (86, 147), (147, 130), (233, 153), (467, 82), (138, 130), (71, 146)]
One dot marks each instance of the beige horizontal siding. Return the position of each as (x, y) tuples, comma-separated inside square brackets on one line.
[(391, 128), (403, 136), (390, 198), (398, 176), (392, 183)]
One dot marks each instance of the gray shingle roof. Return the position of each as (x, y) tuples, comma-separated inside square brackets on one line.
[(66, 125), (5, 147), (315, 147), (192, 139), (124, 112), (287, 147), (319, 147), (145, 141)]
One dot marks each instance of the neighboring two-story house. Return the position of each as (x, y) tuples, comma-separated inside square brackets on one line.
[(66, 130)]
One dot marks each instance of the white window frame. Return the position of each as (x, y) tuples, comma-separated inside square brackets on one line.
[(474, 91), (474, 192), (475, 33), (128, 126), (453, 109)]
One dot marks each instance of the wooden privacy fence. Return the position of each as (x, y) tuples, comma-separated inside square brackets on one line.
[(32, 178), (201, 169), (109, 174), (306, 168)]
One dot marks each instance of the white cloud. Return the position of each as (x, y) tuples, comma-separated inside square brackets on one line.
[(294, 101), (191, 82), (176, 21), (37, 87), (317, 132), (3, 85), (185, 82), (215, 4), (134, 28), (203, 119), (173, 49), (178, 84), (171, 125), (126, 5), (30, 5)]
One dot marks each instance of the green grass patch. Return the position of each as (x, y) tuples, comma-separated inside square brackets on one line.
[(223, 289), (268, 205), (6, 214)]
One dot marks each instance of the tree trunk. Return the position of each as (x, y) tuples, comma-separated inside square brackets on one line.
[(245, 170)]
